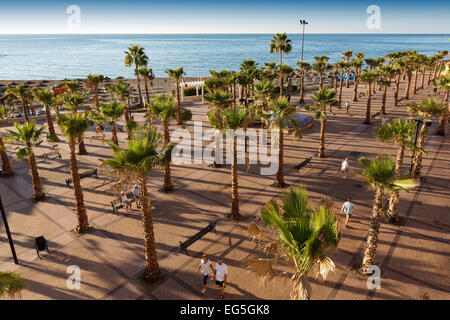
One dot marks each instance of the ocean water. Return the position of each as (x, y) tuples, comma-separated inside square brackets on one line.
[(75, 56)]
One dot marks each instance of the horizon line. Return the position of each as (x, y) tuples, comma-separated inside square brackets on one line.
[(221, 33)]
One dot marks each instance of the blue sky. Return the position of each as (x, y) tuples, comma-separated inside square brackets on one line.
[(229, 16)]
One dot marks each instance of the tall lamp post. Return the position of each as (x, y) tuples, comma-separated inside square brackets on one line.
[(11, 243), (303, 23)]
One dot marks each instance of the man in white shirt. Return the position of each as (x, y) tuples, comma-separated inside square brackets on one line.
[(347, 207), (345, 168), (205, 266), (221, 273), (347, 106)]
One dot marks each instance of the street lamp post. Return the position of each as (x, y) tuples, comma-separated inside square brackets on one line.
[(303, 23), (11, 243)]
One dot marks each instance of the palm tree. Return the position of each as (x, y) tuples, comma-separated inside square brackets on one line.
[(136, 56), (11, 284), (425, 109), (147, 74), (137, 162), (304, 237), (263, 91), (73, 126), (320, 66), (218, 101), (380, 175), (280, 44), (322, 99), (284, 70), (407, 66), (234, 118), (75, 101), (121, 92), (46, 98), (72, 86), (442, 85), (356, 65), (400, 132), (281, 113), (30, 136), (346, 56), (177, 76), (341, 67), (368, 77), (386, 73), (304, 67), (6, 164), (93, 81), (165, 108), (21, 93), (112, 112)]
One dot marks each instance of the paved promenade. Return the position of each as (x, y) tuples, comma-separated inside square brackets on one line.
[(414, 257)]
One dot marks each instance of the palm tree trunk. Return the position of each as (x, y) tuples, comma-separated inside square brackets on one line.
[(281, 57), (429, 75), (96, 98), (168, 186), (37, 188), (321, 81), (179, 122), (279, 182), (435, 69), (408, 86), (234, 94), (355, 89), (51, 128), (393, 201), (234, 184), (443, 118), (372, 239), (151, 259), (383, 101), (417, 161), (139, 90), (422, 86), (6, 165), (340, 88), (415, 82), (369, 98), (323, 122), (146, 90), (281, 85), (302, 88), (126, 113), (114, 134), (397, 88), (25, 111), (83, 225)]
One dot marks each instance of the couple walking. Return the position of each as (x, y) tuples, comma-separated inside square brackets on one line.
[(220, 272)]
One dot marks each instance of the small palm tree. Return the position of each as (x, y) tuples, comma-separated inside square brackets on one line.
[(218, 101), (75, 101), (6, 164), (320, 66), (46, 98), (93, 82), (121, 92), (147, 74), (112, 112), (30, 136), (177, 76), (280, 114), (284, 71), (136, 56), (234, 118), (136, 163), (11, 284), (21, 93), (380, 176), (280, 44), (72, 86), (304, 68), (425, 109), (346, 56), (341, 67), (356, 65), (73, 126), (322, 99), (442, 85), (386, 73), (368, 77), (400, 132), (305, 236), (165, 108)]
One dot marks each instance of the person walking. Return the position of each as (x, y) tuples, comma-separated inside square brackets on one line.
[(136, 194), (124, 201), (347, 208), (345, 168), (205, 266), (221, 272), (347, 106)]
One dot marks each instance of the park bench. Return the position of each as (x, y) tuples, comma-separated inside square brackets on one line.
[(184, 245), (54, 153), (117, 205), (89, 173), (304, 163)]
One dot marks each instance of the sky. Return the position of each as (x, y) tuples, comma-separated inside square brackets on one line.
[(228, 16)]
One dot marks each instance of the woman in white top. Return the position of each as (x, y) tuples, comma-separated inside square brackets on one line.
[(125, 202), (221, 272), (205, 266)]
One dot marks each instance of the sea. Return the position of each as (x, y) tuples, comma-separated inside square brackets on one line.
[(51, 57)]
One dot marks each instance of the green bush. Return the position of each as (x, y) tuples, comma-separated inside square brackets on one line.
[(189, 92)]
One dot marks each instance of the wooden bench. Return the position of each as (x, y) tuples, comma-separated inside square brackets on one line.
[(85, 174), (116, 205), (304, 163), (184, 245), (54, 153)]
